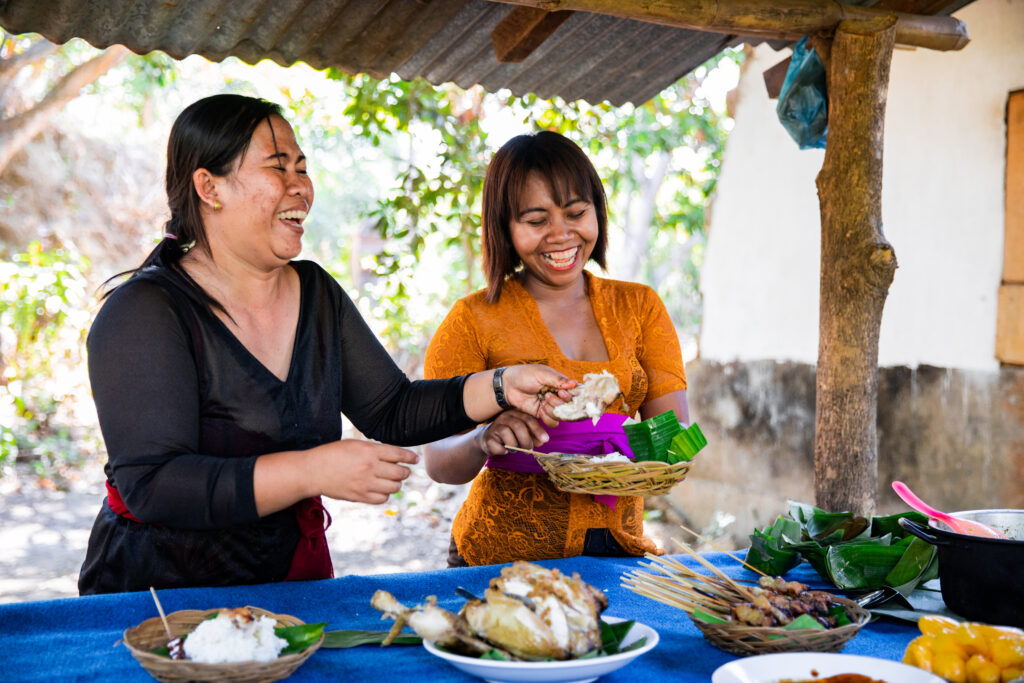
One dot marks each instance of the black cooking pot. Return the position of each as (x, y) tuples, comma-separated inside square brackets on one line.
[(982, 579)]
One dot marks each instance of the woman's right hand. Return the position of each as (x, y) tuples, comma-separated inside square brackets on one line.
[(511, 428), (361, 471)]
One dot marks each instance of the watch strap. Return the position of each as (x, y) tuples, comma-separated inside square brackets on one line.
[(499, 388)]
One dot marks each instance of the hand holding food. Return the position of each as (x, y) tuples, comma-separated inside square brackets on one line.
[(535, 389), (591, 398)]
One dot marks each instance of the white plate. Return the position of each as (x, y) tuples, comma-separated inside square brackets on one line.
[(570, 671), (799, 666)]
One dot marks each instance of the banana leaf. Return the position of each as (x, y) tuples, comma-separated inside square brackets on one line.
[(685, 445), (919, 563), (862, 564), (850, 551), (344, 639), (299, 636), (890, 524), (649, 440), (771, 549), (823, 525)]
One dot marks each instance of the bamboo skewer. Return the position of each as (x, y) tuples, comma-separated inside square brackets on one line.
[(163, 617), (750, 567)]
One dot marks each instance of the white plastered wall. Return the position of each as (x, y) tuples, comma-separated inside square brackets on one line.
[(942, 209)]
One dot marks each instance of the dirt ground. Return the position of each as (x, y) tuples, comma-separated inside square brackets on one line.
[(44, 532)]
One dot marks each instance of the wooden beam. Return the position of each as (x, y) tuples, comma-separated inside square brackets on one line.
[(857, 267), (776, 20), (522, 31)]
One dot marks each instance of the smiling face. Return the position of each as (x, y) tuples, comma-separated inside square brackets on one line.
[(553, 239), (264, 200)]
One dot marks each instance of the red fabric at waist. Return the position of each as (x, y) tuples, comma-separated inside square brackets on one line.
[(117, 505), (312, 558)]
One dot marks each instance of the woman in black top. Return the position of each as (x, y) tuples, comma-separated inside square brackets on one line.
[(221, 367)]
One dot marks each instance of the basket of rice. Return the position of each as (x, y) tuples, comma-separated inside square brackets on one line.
[(235, 645)]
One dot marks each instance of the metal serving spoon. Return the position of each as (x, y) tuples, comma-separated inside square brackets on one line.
[(960, 526)]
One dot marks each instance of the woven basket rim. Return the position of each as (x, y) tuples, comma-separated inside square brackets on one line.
[(166, 666), (579, 474), (556, 459)]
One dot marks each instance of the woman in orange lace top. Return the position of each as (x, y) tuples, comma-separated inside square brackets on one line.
[(544, 218)]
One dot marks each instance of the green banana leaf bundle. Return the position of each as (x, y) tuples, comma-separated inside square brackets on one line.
[(664, 439), (850, 551)]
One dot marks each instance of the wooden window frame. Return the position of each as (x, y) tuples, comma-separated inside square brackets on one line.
[(1010, 316)]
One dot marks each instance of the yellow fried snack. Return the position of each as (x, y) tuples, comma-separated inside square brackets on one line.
[(967, 652)]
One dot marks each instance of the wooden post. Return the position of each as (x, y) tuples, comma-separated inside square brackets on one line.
[(857, 267)]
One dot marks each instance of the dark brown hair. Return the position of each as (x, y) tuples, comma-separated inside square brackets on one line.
[(210, 133), (567, 170)]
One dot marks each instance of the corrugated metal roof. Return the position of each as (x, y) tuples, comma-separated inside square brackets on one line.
[(591, 57)]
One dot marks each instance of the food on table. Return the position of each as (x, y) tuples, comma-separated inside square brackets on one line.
[(850, 551), (777, 602), (234, 635), (967, 652), (528, 613), (590, 398)]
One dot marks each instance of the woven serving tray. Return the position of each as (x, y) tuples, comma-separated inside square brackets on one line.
[(580, 474), (141, 640)]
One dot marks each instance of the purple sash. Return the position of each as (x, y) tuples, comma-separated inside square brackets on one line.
[(583, 438)]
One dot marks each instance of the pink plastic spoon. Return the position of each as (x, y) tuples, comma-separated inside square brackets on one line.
[(960, 526)]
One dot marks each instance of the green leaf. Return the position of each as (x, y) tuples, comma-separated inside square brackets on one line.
[(494, 654), (612, 635), (918, 557), (343, 639), (861, 564), (804, 621), (299, 637), (710, 618)]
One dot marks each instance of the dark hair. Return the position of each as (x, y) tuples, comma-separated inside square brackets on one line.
[(567, 169), (210, 133)]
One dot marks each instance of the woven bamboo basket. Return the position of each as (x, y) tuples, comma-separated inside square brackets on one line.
[(141, 640), (742, 640), (579, 474), (680, 586)]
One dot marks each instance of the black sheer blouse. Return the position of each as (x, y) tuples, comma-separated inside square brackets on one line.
[(185, 410)]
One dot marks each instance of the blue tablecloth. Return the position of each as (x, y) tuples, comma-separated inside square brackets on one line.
[(76, 639)]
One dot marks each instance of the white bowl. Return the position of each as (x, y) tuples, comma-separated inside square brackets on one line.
[(569, 671), (802, 665)]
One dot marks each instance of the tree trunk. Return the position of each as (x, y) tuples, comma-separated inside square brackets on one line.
[(857, 267), (18, 130)]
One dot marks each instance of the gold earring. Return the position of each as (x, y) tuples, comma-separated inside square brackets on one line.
[(216, 205)]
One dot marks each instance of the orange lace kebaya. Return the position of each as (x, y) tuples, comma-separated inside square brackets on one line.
[(521, 516)]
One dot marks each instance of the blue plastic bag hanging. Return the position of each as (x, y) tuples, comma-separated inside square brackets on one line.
[(803, 100)]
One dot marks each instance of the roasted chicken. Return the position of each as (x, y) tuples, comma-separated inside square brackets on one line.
[(528, 613)]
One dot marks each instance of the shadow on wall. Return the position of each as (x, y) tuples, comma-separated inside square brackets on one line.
[(956, 437)]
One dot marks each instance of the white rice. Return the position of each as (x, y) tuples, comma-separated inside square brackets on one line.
[(610, 457), (220, 640)]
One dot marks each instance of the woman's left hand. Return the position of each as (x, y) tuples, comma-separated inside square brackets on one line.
[(536, 390)]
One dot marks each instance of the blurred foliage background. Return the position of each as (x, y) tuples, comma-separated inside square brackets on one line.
[(398, 169)]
